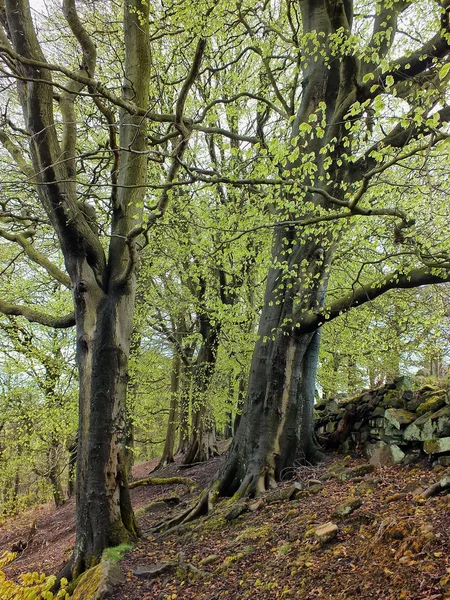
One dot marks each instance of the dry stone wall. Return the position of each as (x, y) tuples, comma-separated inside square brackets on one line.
[(398, 422)]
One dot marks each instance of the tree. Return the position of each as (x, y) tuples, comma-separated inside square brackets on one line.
[(99, 251), (364, 123)]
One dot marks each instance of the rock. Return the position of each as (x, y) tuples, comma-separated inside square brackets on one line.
[(311, 482), (370, 448), (378, 412), (414, 403), (98, 582), (444, 461), (420, 430), (332, 408), (408, 395), (290, 492), (386, 456), (392, 400), (153, 570), (445, 482), (411, 456), (433, 403), (325, 533), (399, 418), (441, 421), (359, 471), (370, 483), (437, 445), (330, 426), (254, 506), (315, 488), (346, 508)]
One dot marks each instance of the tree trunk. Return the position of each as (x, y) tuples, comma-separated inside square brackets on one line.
[(104, 513), (167, 455), (185, 394), (53, 475), (275, 429), (242, 386), (202, 443), (72, 448), (103, 283)]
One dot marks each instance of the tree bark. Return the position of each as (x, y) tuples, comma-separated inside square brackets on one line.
[(168, 451), (202, 443), (185, 394), (275, 428)]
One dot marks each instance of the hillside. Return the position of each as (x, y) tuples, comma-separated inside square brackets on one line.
[(390, 541)]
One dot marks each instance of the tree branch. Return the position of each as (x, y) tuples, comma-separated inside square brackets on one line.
[(36, 316), (309, 322)]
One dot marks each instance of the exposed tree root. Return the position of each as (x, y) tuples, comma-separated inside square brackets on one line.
[(253, 485), (201, 507), (436, 488), (190, 483)]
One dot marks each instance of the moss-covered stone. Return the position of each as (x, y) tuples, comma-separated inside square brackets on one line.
[(399, 417), (346, 508), (432, 403), (98, 582), (437, 446), (392, 399), (356, 472)]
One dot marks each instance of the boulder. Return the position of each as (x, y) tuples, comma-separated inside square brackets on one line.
[(346, 508), (404, 382), (98, 582), (393, 400), (434, 401), (387, 455), (420, 430), (153, 570), (441, 421)]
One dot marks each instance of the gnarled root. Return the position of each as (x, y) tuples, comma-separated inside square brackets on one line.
[(200, 508)]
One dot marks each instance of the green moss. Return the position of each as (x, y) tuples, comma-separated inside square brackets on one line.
[(88, 583), (432, 403), (116, 553), (231, 560), (254, 533)]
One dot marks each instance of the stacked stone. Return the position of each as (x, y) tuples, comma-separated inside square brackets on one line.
[(395, 421)]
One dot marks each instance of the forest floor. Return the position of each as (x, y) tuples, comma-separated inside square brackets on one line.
[(390, 543)]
